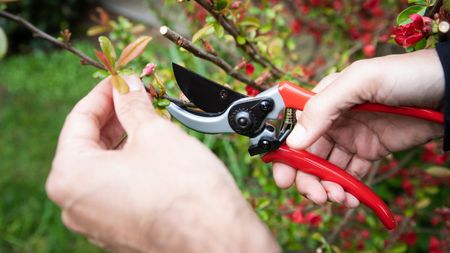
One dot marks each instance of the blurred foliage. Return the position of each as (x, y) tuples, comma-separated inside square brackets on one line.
[(51, 16), (36, 93)]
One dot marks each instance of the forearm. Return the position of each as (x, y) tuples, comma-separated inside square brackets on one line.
[(232, 228), (210, 223)]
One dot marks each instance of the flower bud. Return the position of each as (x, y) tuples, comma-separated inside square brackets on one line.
[(148, 70)]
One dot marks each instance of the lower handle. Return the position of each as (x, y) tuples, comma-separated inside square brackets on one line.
[(314, 165)]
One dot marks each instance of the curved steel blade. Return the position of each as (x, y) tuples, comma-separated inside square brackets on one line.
[(205, 94)]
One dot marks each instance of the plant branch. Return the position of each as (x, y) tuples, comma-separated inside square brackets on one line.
[(249, 48), (393, 238), (399, 166), (41, 34), (305, 22), (349, 214), (189, 46)]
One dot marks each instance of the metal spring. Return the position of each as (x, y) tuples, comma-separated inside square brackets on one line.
[(289, 116)]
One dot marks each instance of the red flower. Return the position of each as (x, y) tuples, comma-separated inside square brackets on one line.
[(313, 219), (296, 27), (365, 234), (409, 238), (409, 34), (297, 217), (407, 186), (369, 50), (431, 156), (236, 5), (370, 4), (249, 68), (354, 33), (361, 217), (434, 244), (435, 220), (338, 5), (360, 246), (251, 91)]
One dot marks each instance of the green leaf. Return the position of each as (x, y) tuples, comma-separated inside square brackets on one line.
[(3, 43), (264, 215), (403, 17), (132, 51), (265, 28), (219, 30), (222, 4), (398, 248), (163, 103), (438, 171), (250, 21), (96, 30), (119, 84), (100, 74), (241, 40), (421, 44), (446, 5), (431, 189), (104, 60), (423, 203), (419, 2), (204, 31), (275, 47), (431, 42), (108, 49), (263, 204)]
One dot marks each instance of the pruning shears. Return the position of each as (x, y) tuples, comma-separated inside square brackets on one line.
[(218, 109)]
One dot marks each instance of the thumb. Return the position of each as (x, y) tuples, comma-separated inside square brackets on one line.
[(133, 108), (323, 109)]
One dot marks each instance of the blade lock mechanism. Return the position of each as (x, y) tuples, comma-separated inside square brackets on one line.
[(270, 138)]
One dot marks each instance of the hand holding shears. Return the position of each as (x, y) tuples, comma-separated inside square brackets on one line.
[(225, 111)]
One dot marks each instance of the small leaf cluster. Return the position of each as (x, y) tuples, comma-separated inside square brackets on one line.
[(114, 66)]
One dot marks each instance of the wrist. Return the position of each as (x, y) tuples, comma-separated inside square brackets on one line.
[(216, 221)]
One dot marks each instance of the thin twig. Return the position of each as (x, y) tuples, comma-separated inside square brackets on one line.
[(393, 238), (249, 48), (312, 25), (189, 46), (349, 214), (397, 168), (41, 34)]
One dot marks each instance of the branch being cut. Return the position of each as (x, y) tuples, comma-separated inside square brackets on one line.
[(189, 46), (249, 48), (41, 34)]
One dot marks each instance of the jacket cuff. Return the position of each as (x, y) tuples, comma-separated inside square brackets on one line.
[(443, 50)]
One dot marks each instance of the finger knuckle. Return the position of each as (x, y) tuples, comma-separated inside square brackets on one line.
[(57, 186)]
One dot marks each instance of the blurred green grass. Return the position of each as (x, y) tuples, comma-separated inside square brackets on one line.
[(36, 93)]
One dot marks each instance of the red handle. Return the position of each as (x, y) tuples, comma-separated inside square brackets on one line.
[(314, 165), (297, 97)]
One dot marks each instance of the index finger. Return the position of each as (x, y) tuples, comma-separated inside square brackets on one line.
[(84, 123)]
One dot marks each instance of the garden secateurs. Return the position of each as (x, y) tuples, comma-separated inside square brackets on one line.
[(219, 109)]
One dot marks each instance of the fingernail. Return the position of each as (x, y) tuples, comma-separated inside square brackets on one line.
[(297, 136), (134, 83)]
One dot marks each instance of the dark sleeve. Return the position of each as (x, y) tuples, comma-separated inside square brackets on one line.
[(443, 50)]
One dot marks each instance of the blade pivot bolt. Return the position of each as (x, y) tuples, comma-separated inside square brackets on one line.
[(266, 106), (265, 144), (243, 120)]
